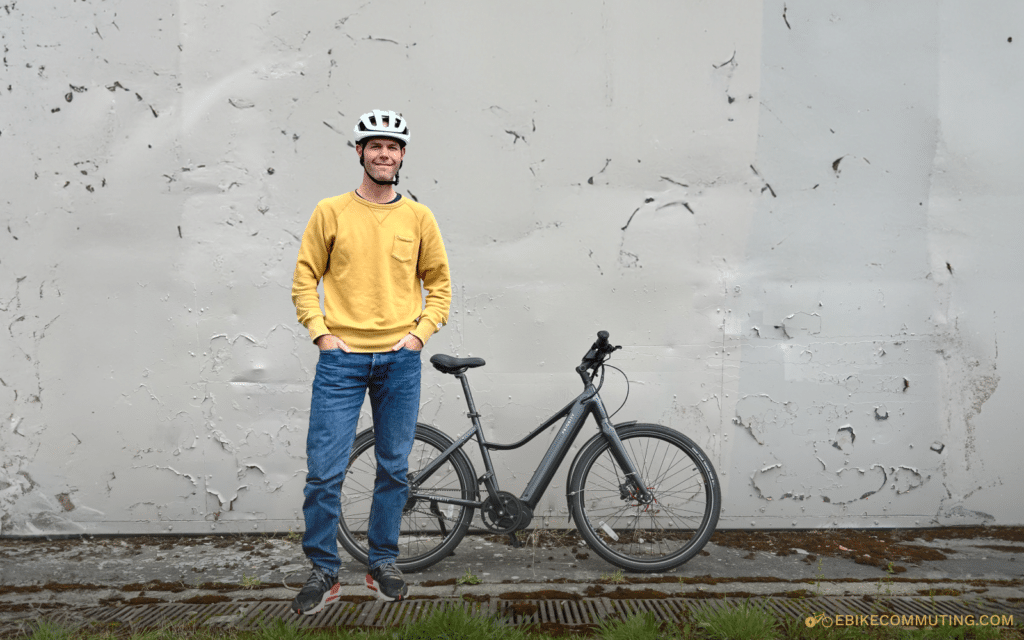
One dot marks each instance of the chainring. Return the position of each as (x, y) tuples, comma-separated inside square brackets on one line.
[(504, 513)]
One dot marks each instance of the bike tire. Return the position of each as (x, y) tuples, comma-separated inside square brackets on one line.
[(430, 530), (646, 538)]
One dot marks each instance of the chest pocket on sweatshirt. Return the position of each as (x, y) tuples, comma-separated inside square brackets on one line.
[(402, 250)]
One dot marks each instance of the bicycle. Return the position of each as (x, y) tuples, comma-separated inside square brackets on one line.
[(644, 497)]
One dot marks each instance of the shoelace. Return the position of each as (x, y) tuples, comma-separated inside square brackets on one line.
[(319, 578), (390, 571)]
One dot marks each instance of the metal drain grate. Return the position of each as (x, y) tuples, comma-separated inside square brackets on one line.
[(251, 615)]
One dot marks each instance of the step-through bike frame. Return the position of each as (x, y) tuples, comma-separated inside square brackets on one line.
[(575, 413)]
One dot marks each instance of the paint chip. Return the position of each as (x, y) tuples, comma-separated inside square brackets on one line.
[(845, 437), (65, 501)]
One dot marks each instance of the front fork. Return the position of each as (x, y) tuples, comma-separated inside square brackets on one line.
[(634, 488)]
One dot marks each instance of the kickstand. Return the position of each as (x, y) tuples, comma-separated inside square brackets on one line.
[(514, 540)]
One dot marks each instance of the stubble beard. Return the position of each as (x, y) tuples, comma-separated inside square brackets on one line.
[(383, 173)]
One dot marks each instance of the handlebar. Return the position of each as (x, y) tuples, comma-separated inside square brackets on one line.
[(598, 353)]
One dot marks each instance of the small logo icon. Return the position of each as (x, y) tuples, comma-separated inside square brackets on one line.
[(811, 621)]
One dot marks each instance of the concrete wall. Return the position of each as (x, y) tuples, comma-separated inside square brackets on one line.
[(800, 219)]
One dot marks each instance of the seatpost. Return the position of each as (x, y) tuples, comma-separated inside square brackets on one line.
[(472, 415)]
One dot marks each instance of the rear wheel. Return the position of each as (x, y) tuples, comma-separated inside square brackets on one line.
[(657, 536), (430, 529)]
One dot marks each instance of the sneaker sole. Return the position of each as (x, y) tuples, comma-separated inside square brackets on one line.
[(331, 595), (373, 586)]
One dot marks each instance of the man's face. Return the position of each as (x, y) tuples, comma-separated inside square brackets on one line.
[(381, 157)]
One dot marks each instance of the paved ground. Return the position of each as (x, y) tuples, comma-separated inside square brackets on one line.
[(41, 577)]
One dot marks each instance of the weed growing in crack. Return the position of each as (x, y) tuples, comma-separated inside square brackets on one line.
[(890, 571), (467, 578), (818, 578), (616, 577), (250, 581)]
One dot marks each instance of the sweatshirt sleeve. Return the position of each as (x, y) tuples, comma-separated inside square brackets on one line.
[(432, 269), (314, 253)]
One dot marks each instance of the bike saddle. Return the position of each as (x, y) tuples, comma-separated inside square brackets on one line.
[(453, 365)]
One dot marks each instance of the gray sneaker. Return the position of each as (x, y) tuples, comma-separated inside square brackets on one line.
[(320, 590), (387, 583)]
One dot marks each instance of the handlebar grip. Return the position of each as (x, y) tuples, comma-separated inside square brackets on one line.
[(602, 339)]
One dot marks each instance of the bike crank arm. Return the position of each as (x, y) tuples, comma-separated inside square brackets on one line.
[(440, 517)]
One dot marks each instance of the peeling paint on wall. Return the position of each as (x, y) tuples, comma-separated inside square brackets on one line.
[(807, 251), (760, 414)]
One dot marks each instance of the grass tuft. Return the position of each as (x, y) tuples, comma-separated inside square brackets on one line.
[(47, 630), (615, 577), (278, 629), (455, 623), (639, 627), (743, 622)]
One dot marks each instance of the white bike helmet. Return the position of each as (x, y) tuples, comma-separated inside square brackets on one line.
[(382, 124)]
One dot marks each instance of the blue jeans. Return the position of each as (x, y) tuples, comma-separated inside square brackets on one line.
[(341, 383)]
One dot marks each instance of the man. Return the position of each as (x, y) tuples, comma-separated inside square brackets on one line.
[(373, 249)]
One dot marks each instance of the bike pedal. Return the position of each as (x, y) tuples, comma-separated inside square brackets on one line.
[(514, 540)]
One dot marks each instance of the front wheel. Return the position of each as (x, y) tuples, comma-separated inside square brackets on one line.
[(662, 534), (430, 530)]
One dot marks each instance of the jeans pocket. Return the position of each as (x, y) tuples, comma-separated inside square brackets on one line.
[(330, 357)]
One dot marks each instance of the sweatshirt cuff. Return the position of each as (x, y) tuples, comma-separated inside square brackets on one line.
[(424, 330), (317, 327)]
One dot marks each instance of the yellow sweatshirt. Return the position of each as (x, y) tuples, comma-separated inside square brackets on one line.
[(372, 258)]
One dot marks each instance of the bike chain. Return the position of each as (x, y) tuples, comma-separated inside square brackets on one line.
[(431, 515)]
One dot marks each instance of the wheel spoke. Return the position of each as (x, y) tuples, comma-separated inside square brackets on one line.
[(426, 526), (627, 532)]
